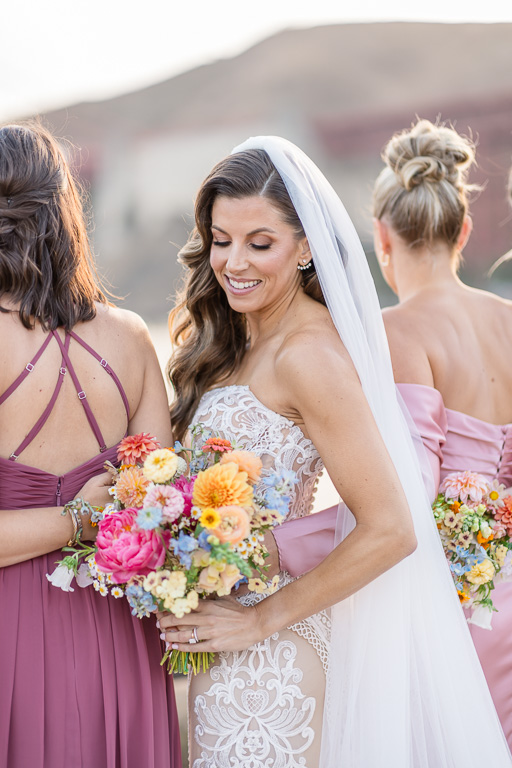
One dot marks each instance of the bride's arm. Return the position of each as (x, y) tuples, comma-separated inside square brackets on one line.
[(338, 419)]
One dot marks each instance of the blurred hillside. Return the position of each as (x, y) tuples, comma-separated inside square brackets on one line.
[(338, 91)]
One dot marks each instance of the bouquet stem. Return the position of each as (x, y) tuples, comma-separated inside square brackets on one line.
[(184, 661)]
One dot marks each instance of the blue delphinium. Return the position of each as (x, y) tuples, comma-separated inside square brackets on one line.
[(149, 518), (142, 603), (202, 540), (182, 547)]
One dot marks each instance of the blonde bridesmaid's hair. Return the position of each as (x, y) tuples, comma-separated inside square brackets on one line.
[(423, 190)]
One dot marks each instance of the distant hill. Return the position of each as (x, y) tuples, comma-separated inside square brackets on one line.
[(338, 91)]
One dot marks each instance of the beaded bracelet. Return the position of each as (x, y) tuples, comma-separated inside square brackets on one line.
[(77, 508)]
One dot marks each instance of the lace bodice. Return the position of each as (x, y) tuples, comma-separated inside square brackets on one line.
[(235, 413)]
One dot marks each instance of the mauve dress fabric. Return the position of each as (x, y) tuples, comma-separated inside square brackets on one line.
[(455, 442), (81, 684)]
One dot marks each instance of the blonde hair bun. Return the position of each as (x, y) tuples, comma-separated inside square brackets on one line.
[(423, 188), (429, 153)]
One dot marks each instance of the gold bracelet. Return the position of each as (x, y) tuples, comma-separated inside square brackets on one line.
[(74, 519)]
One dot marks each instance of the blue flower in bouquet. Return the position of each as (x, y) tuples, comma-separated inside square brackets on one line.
[(149, 518), (276, 500), (141, 602), (202, 540), (182, 547)]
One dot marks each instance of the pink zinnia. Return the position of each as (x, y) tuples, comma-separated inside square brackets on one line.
[(135, 448), (217, 445), (504, 514), (465, 486), (168, 498)]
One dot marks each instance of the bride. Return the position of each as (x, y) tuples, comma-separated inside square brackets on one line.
[(366, 661)]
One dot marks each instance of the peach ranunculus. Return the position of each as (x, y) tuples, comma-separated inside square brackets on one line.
[(234, 526), (465, 486), (219, 578), (131, 487), (247, 462), (221, 486), (133, 449)]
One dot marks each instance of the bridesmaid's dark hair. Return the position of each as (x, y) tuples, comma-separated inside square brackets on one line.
[(46, 265), (210, 338)]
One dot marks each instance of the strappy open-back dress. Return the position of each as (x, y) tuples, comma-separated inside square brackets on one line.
[(81, 684)]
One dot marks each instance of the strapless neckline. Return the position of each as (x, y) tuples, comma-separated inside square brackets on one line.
[(247, 388), (478, 422)]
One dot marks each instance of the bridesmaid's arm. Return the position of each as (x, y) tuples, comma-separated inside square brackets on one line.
[(28, 533), (303, 543)]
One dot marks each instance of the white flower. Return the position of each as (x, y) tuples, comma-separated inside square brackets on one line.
[(182, 467), (103, 590), (481, 617), (116, 592), (62, 577), (83, 577)]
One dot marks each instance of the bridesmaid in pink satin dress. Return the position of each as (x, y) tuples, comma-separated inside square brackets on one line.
[(451, 347), (81, 683)]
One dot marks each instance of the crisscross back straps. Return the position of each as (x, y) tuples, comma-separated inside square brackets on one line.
[(46, 413), (108, 369), (27, 369), (81, 394)]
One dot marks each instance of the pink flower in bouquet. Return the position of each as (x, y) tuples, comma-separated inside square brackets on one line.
[(125, 550), (504, 514), (464, 486), (234, 525), (134, 448), (217, 445), (168, 498), (186, 488)]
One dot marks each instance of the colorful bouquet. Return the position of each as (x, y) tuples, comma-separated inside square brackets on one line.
[(474, 519), (178, 529)]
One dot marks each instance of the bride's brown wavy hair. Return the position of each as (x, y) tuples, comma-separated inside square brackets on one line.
[(46, 265), (210, 338)]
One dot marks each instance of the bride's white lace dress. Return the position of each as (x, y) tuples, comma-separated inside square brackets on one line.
[(263, 707)]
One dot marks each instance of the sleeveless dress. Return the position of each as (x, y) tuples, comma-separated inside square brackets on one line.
[(455, 442), (81, 682), (263, 707)]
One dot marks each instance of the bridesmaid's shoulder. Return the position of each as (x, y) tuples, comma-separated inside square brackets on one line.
[(124, 328)]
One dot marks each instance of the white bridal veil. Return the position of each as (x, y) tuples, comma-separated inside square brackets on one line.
[(405, 688)]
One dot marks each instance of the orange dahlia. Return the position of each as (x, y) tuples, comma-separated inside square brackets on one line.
[(134, 448), (222, 485), (131, 487)]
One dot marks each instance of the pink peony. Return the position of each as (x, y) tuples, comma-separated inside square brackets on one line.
[(125, 550), (465, 486), (168, 498), (135, 448), (186, 488)]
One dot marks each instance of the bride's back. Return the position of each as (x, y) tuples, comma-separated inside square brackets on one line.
[(465, 337)]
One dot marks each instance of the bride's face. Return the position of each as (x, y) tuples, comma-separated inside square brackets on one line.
[(254, 253)]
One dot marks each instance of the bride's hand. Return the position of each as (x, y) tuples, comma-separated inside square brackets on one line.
[(221, 625)]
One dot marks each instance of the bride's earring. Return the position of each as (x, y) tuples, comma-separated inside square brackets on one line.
[(304, 265)]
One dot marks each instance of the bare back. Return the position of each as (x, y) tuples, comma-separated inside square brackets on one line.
[(66, 439), (458, 340)]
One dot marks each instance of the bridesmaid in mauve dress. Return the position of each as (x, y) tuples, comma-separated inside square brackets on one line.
[(451, 347), (81, 683)]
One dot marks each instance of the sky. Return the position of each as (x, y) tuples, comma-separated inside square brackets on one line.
[(59, 52)]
